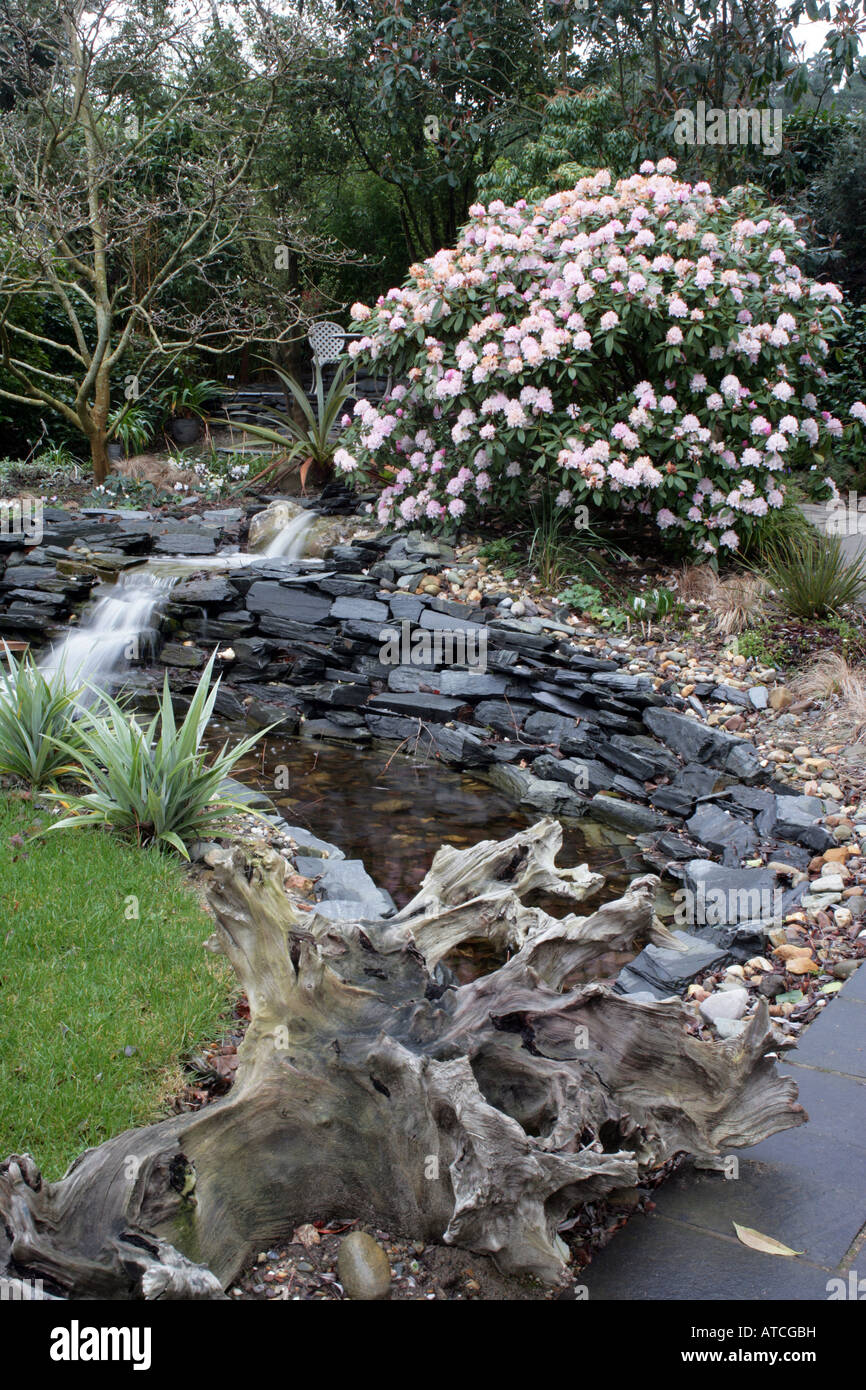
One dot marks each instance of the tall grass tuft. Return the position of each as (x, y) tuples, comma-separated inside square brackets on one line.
[(154, 783), (811, 576), (40, 741)]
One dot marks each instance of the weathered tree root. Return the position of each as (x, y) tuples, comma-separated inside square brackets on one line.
[(479, 1115)]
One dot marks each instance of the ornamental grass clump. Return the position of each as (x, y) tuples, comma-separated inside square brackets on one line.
[(157, 783), (645, 346), (39, 739)]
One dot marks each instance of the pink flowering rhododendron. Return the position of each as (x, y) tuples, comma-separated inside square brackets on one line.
[(645, 345)]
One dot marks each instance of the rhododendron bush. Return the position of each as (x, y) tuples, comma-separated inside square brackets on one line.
[(646, 346)]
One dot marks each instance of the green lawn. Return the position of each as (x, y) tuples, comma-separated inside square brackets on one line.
[(82, 982)]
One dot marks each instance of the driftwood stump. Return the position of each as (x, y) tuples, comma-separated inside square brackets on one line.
[(478, 1115)]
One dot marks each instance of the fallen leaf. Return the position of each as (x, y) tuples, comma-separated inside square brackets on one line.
[(766, 1244), (793, 996)]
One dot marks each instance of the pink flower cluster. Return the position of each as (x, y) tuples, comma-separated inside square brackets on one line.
[(644, 345)]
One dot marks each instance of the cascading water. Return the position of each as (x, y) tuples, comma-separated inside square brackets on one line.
[(110, 636), (290, 541)]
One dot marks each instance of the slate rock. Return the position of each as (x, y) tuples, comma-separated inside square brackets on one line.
[(369, 610), (185, 543), (438, 708), (665, 971), (723, 833), (623, 814), (698, 742)]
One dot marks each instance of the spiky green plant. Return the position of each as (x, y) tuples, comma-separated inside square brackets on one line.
[(811, 576), (306, 442), (157, 783), (39, 738)]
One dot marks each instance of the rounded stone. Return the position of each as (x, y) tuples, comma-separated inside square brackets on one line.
[(363, 1268)]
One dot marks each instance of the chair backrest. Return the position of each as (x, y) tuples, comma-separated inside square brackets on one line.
[(326, 339)]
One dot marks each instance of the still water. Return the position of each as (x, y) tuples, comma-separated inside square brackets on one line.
[(394, 812)]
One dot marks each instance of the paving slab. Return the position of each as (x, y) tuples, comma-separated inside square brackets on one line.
[(655, 1258), (837, 1040), (836, 1105), (803, 1187)]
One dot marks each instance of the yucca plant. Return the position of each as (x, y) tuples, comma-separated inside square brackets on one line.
[(307, 442), (39, 738), (157, 783), (811, 575)]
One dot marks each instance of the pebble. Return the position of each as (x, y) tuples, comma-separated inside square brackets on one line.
[(363, 1268), (729, 1003)]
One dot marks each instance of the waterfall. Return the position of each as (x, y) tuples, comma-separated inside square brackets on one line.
[(290, 542), (109, 637)]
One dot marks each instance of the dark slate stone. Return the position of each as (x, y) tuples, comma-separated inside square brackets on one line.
[(670, 799), (459, 745), (623, 758), (696, 781), (549, 728), (729, 695), (470, 685), (585, 665), (725, 834), (340, 695), (294, 632), (623, 815), (262, 714), (699, 743), (175, 654), (332, 728), (45, 600), (524, 787), (664, 761), (20, 617), (405, 606), (185, 543), (215, 590), (558, 704), (390, 726), (665, 971), (360, 630), (345, 585), (279, 601), (418, 704), (504, 718), (443, 622), (623, 683), (552, 769), (499, 636), (796, 819), (367, 610), (743, 889)]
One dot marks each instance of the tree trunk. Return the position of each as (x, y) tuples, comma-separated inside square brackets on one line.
[(99, 457), (478, 1115)]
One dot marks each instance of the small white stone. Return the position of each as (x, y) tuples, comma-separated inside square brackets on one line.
[(730, 1027), (728, 1003), (829, 883)]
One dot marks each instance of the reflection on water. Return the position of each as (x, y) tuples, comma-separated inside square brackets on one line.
[(394, 813)]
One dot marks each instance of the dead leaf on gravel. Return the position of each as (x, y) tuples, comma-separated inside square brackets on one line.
[(307, 1236)]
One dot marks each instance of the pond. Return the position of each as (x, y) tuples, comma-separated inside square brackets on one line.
[(394, 813)]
